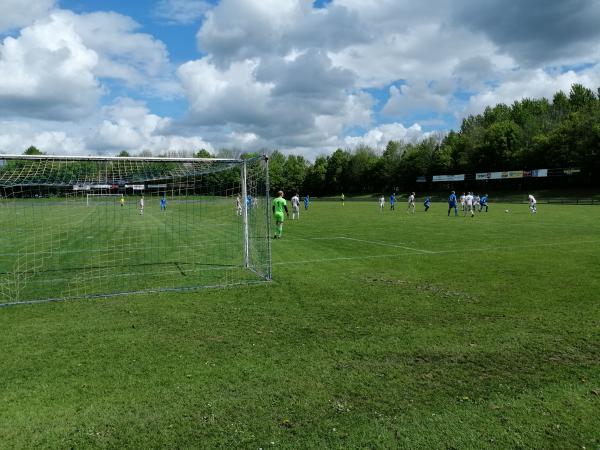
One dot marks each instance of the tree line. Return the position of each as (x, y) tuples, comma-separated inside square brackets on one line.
[(528, 134)]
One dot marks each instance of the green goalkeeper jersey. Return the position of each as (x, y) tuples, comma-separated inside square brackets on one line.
[(279, 205)]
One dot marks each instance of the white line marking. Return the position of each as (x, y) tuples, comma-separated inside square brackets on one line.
[(424, 252), (509, 247), (387, 245), (341, 258)]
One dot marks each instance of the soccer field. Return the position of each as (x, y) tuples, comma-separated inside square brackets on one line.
[(380, 330)]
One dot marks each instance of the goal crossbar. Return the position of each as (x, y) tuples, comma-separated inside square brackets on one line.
[(123, 158)]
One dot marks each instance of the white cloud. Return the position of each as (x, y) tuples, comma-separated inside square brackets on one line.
[(15, 14), (135, 58), (181, 11), (278, 73), (221, 97), (379, 136), (417, 98), (47, 71), (532, 84), (239, 29), (16, 136), (124, 125), (54, 67), (129, 125)]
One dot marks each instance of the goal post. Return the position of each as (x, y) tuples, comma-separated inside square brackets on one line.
[(82, 227)]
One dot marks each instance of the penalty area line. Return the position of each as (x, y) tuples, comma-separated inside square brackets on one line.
[(414, 252), (386, 244), (339, 258)]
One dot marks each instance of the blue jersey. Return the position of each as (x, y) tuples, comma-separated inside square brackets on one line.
[(163, 201), (427, 202), (306, 200), (452, 200), (392, 199), (483, 200)]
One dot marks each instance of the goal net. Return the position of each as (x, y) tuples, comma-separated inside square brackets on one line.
[(91, 199), (86, 227)]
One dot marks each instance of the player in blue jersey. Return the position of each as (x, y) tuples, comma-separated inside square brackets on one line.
[(392, 201), (452, 204), (427, 203), (163, 203), (306, 201), (483, 201)]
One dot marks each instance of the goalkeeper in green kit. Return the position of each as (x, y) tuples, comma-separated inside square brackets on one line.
[(279, 206)]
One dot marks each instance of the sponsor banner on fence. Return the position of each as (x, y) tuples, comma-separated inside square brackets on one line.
[(101, 186), (421, 180), (81, 187), (460, 177), (513, 174), (535, 173), (135, 187), (157, 186), (499, 175)]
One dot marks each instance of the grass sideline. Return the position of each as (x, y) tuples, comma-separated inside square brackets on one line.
[(381, 330)]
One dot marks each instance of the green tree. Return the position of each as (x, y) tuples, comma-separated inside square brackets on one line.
[(276, 171), (315, 180), (203, 153), (294, 169), (360, 170), (337, 164), (33, 151)]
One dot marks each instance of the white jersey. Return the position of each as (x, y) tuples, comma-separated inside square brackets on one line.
[(532, 200), (462, 199), (382, 201), (142, 203), (469, 200), (295, 201), (411, 199)]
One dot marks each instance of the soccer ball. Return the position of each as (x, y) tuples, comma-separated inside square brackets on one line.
[(506, 210)]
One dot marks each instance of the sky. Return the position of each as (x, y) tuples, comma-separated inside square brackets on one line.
[(306, 77)]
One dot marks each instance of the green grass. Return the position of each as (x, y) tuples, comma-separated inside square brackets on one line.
[(61, 248), (380, 330)]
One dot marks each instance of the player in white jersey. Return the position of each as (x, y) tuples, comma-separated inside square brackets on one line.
[(142, 205), (462, 201), (476, 199), (411, 203), (469, 204), (532, 204), (295, 207), (238, 205), (381, 203)]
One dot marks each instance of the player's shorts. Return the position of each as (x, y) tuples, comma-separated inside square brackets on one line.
[(296, 208), (278, 217)]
